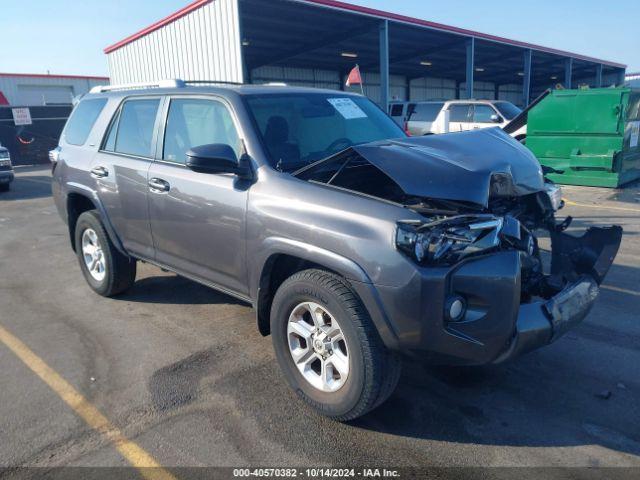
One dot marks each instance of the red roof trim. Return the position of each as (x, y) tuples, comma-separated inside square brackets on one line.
[(159, 24), (376, 13), (44, 75)]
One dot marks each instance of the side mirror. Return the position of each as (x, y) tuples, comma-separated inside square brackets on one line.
[(217, 158), (495, 118)]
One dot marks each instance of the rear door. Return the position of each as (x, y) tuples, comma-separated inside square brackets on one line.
[(460, 117), (197, 219), (121, 168)]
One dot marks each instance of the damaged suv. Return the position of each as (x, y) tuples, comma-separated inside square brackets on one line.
[(354, 244)]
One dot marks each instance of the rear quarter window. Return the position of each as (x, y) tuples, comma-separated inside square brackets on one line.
[(397, 110), (82, 120), (426, 112)]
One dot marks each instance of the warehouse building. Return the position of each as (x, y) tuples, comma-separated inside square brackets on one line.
[(34, 109), (33, 90), (316, 43)]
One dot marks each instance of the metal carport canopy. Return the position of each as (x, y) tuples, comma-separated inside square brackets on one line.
[(333, 35), (317, 33)]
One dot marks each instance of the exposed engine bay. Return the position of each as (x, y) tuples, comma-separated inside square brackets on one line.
[(478, 192)]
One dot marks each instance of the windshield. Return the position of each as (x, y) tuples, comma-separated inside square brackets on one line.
[(508, 110), (298, 129)]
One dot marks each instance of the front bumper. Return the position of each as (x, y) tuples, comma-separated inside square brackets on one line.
[(497, 326), (6, 176)]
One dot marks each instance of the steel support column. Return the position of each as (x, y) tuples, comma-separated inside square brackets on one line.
[(599, 75), (471, 51), (526, 79), (568, 73), (384, 65)]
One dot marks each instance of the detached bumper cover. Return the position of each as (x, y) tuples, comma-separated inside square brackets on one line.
[(497, 326), (586, 259), (542, 323)]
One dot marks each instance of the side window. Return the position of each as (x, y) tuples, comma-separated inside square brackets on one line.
[(194, 122), (459, 113), (82, 120), (483, 114), (426, 112), (131, 130)]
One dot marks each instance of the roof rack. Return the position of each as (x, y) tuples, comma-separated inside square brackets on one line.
[(174, 83), (211, 82)]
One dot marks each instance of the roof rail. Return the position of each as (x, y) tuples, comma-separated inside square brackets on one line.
[(211, 82), (174, 83)]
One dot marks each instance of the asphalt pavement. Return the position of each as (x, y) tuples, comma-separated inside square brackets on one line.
[(182, 372)]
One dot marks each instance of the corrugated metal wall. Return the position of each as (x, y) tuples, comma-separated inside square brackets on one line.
[(423, 89), (299, 77), (202, 45), (399, 90), (40, 90)]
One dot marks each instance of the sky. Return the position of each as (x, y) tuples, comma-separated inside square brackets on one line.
[(68, 36)]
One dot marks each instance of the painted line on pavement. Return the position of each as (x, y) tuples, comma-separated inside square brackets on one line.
[(600, 207), (148, 467)]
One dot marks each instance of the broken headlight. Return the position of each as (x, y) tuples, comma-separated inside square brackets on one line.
[(448, 240)]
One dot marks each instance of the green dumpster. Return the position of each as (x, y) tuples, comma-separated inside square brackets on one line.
[(590, 135)]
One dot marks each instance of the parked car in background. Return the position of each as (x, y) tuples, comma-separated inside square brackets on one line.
[(6, 169), (426, 118), (354, 244)]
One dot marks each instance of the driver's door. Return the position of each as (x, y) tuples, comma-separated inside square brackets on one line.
[(198, 220)]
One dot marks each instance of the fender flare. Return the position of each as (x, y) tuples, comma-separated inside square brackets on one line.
[(92, 195), (350, 270)]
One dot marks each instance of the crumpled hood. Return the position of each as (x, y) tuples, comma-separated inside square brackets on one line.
[(455, 166)]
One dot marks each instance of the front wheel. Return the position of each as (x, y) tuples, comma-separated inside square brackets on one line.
[(107, 271), (328, 348)]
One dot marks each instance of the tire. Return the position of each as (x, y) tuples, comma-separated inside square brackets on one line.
[(4, 187), (119, 271), (373, 370)]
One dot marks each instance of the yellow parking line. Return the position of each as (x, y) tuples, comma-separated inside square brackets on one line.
[(135, 455), (601, 207)]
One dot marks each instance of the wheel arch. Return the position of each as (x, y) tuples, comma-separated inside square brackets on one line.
[(284, 257), (79, 200)]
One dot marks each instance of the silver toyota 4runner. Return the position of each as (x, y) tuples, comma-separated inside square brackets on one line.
[(355, 244)]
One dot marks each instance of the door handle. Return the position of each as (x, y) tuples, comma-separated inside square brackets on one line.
[(157, 185), (99, 172)]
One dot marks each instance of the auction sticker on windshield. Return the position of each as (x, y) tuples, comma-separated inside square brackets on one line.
[(347, 108)]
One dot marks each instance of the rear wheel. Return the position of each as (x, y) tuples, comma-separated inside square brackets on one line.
[(327, 347), (107, 271), (4, 187)]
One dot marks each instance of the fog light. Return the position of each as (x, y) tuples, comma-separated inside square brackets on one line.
[(455, 308)]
